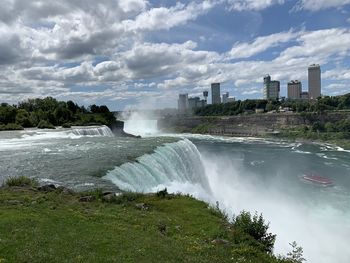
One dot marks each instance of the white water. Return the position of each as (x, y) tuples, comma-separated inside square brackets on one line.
[(139, 124), (322, 230), (27, 137)]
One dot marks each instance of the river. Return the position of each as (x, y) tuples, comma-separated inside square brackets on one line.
[(239, 173)]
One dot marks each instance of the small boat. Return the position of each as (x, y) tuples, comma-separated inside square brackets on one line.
[(316, 179)]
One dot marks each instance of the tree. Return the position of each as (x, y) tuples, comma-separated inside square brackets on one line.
[(23, 118), (296, 255), (255, 227)]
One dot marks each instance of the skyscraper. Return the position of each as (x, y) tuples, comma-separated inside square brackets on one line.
[(294, 90), (271, 88), (314, 81), (183, 102), (215, 93)]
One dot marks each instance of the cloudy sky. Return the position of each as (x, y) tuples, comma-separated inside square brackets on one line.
[(143, 53)]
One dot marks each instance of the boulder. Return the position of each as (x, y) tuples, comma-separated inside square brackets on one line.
[(88, 198), (142, 206), (47, 188)]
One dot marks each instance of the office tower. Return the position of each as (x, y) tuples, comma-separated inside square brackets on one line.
[(225, 97), (183, 102), (314, 76), (271, 88), (294, 89), (215, 93)]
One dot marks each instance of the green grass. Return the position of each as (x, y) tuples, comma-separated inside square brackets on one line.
[(56, 227), (20, 181)]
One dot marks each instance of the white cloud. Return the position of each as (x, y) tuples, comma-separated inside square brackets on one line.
[(260, 44), (254, 5), (316, 5)]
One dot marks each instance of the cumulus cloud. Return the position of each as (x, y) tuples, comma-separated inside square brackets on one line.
[(97, 50), (260, 44), (252, 5), (316, 5)]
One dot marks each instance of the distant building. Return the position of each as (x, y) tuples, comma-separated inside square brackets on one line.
[(271, 88), (314, 76), (226, 98), (215, 93), (193, 102), (294, 90), (205, 95), (183, 102), (304, 95), (196, 102)]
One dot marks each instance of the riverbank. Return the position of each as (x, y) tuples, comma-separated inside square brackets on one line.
[(330, 127), (51, 224)]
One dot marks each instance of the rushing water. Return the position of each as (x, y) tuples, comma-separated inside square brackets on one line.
[(240, 173)]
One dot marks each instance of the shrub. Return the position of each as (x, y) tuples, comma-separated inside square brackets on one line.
[(256, 227), (162, 193), (10, 127), (296, 255), (66, 125), (45, 125), (20, 181)]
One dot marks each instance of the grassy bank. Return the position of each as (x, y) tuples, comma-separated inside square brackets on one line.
[(61, 226)]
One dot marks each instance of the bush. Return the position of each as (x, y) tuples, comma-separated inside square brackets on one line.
[(66, 125), (20, 181), (45, 125), (255, 227), (162, 193), (10, 127)]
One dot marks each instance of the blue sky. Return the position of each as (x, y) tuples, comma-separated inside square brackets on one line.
[(138, 53)]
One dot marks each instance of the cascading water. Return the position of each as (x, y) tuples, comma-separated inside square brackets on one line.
[(178, 162), (140, 124), (93, 131), (252, 177)]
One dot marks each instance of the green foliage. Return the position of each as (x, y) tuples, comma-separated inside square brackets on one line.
[(321, 105), (45, 125), (296, 255), (10, 127), (255, 227), (39, 112), (180, 229), (7, 114), (23, 118), (20, 181), (66, 125)]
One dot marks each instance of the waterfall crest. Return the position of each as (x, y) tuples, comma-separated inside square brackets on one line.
[(178, 162), (93, 131)]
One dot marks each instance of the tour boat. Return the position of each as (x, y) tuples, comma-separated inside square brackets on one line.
[(320, 180)]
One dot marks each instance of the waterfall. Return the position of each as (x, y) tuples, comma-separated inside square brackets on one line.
[(93, 131), (178, 162)]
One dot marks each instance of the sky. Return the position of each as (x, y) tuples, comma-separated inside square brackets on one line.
[(143, 53)]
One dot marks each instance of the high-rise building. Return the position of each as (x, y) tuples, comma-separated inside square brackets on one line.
[(271, 88), (183, 102), (294, 90), (225, 97), (215, 93), (304, 95), (314, 81), (193, 102)]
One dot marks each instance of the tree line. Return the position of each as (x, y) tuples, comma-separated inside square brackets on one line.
[(326, 103), (49, 112)]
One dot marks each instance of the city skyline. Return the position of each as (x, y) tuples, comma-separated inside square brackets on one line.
[(141, 53)]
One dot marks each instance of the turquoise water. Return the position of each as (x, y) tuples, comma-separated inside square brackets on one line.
[(240, 173)]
